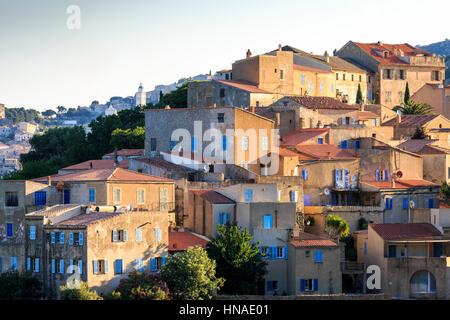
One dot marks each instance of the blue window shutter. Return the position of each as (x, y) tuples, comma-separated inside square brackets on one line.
[(269, 285), (80, 266), (357, 146), (71, 266), (71, 238), (386, 175), (32, 232), (227, 215), (316, 284), (273, 252), (61, 266), (285, 255), (80, 238), (66, 196), (224, 143), (390, 203), (53, 237), (405, 203), (302, 285), (346, 172), (343, 120), (248, 195), (28, 263), (377, 175), (9, 230), (106, 266), (114, 235), (95, 266), (337, 174), (61, 237), (36, 265), (387, 204), (365, 247), (352, 121), (125, 236), (221, 218), (320, 141), (152, 265), (306, 200), (430, 203), (306, 174), (91, 195), (53, 265), (344, 144), (164, 260)]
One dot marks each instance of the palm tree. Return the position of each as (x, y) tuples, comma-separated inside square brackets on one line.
[(412, 107)]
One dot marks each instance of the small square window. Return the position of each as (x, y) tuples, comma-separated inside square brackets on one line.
[(220, 117)]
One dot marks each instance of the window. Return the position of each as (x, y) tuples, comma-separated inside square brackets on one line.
[(309, 285), (280, 252), (117, 195), (119, 236), (13, 263), (244, 143), (321, 87), (152, 144), (306, 253), (388, 96), (360, 78), (157, 235), (100, 266), (435, 76), (268, 222), (220, 117), (343, 76), (265, 143), (353, 77), (388, 205), (320, 141), (303, 79), (305, 174), (365, 248), (293, 195), (224, 143), (248, 195), (344, 144), (75, 264), (11, 199), (59, 266), (9, 230), (222, 92), (140, 196), (75, 238), (272, 285), (264, 251), (92, 195), (368, 79), (40, 198), (32, 232), (401, 74), (310, 86), (387, 74), (224, 217), (158, 263), (318, 256), (374, 122), (60, 237), (337, 76), (138, 235), (281, 74), (118, 268), (405, 203), (357, 144), (66, 196)]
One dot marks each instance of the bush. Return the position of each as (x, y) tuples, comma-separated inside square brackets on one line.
[(139, 286), (78, 291), (19, 286), (362, 224)]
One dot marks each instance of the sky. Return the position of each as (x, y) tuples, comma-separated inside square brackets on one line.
[(120, 44)]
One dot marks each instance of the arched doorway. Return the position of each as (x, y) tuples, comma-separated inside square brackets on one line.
[(422, 282)]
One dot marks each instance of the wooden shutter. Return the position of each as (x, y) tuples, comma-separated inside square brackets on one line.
[(36, 265), (80, 238), (80, 266), (316, 284), (125, 236), (61, 266), (302, 285), (71, 266), (53, 237), (386, 175), (152, 264), (95, 265), (405, 203), (28, 263), (71, 238), (106, 266), (377, 175), (53, 265)]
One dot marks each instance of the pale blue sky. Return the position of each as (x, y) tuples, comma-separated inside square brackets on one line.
[(123, 43)]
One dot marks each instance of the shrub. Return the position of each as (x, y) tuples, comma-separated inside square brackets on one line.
[(139, 286), (78, 291)]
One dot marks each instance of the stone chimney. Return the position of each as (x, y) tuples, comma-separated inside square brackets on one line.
[(49, 180), (399, 118), (379, 43), (326, 57), (279, 47), (362, 107), (329, 155), (167, 107), (249, 54), (334, 52), (252, 109), (278, 120)]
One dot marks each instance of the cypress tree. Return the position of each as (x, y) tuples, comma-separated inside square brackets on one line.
[(407, 96), (359, 97)]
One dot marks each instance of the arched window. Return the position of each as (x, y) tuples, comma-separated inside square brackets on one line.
[(423, 282)]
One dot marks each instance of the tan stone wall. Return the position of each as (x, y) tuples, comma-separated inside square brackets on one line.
[(435, 167), (152, 194), (433, 96)]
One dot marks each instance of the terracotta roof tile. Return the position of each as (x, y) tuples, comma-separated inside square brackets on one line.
[(243, 85), (114, 174), (401, 184), (213, 196), (376, 51), (127, 153), (363, 115), (311, 240), (325, 151), (97, 164), (322, 103), (180, 241), (411, 120), (398, 231), (298, 136), (415, 145)]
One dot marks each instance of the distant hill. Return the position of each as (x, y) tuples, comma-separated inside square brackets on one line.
[(443, 49)]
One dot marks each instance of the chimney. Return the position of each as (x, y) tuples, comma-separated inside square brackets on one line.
[(334, 52), (90, 165), (278, 120), (252, 109), (399, 118), (362, 107), (167, 107), (326, 57), (379, 43), (329, 155), (214, 105), (279, 47), (249, 54), (49, 180)]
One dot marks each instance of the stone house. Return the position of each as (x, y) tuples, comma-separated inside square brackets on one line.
[(394, 65), (436, 95), (73, 242), (412, 258), (94, 164), (405, 125)]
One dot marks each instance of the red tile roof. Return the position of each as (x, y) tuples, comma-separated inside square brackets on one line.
[(304, 68), (376, 51), (415, 145), (363, 115), (180, 241), (325, 151), (298, 136), (411, 120), (401, 184), (442, 204), (322, 103), (284, 152), (213, 196), (114, 174), (398, 231), (127, 153), (164, 164), (429, 149), (97, 164), (243, 85), (310, 240)]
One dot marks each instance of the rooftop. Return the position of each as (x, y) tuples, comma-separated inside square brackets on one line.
[(325, 151), (85, 219), (164, 164), (97, 164), (415, 145), (112, 174), (310, 240), (401, 184), (376, 50), (180, 241), (322, 103), (411, 120), (213, 196), (243, 85), (364, 115), (298, 136), (126, 153), (398, 231)]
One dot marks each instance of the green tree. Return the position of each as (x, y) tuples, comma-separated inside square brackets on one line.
[(407, 96), (445, 190), (412, 107), (238, 260), (337, 227), (61, 109), (359, 97), (419, 133), (128, 139), (141, 286), (176, 98), (191, 275), (48, 113), (78, 291), (15, 285)]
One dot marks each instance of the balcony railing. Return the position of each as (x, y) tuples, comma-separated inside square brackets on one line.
[(157, 206)]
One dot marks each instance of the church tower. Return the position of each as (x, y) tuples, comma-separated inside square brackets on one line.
[(140, 96)]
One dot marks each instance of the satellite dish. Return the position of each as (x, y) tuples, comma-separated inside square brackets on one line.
[(399, 112), (206, 168), (399, 174), (412, 204), (326, 191), (119, 158)]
